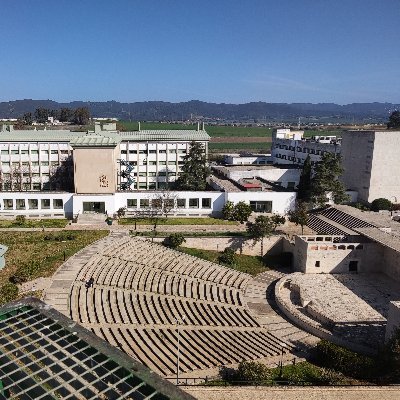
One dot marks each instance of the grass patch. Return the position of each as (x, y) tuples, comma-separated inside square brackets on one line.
[(30, 255), (176, 221), (262, 146), (252, 265), (34, 223)]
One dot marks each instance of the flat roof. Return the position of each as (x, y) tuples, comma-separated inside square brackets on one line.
[(44, 354)]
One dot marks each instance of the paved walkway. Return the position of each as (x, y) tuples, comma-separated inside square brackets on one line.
[(294, 393)]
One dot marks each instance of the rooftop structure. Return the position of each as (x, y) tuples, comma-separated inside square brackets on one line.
[(43, 354)]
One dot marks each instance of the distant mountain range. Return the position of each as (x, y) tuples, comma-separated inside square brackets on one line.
[(254, 112)]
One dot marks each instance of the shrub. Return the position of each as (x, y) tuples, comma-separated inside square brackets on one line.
[(381, 204), (20, 219), (8, 292), (345, 361), (174, 240), (227, 257), (253, 371)]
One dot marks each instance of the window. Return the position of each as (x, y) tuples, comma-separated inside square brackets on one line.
[(35, 163), (58, 203), (14, 152), (44, 163), (25, 151), (181, 203), (5, 164), (162, 173), (144, 203), (8, 204), (290, 185), (142, 185), (317, 264), (353, 266), (34, 152), (206, 203), (162, 151), (152, 174), (152, 162), (131, 203), (193, 203), (45, 203), (4, 152), (261, 206), (44, 152), (172, 151), (54, 151), (152, 151), (171, 162), (162, 163), (181, 151), (152, 185), (132, 151), (64, 151), (33, 204), (36, 186), (123, 151)]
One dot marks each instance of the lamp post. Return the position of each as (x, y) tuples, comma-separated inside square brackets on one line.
[(283, 346), (178, 322)]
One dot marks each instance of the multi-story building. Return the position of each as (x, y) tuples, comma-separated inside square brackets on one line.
[(370, 160), (111, 169), (291, 147)]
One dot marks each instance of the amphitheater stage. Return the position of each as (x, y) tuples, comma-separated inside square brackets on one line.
[(349, 308)]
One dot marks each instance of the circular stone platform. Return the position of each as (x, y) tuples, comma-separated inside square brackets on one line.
[(348, 309)]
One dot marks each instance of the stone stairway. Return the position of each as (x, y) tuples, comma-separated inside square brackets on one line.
[(92, 219)]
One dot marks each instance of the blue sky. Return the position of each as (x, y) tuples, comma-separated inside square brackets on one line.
[(230, 51)]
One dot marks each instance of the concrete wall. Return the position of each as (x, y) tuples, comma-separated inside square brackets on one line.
[(385, 179), (95, 170), (390, 262), (335, 257), (393, 319), (272, 245)]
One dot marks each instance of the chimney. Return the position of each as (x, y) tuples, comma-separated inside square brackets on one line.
[(139, 126), (198, 126), (202, 126)]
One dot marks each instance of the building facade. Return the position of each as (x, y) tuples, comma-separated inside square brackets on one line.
[(369, 160), (291, 147)]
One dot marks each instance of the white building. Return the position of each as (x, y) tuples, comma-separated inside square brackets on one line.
[(291, 147)]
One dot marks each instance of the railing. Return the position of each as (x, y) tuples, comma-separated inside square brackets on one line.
[(206, 381)]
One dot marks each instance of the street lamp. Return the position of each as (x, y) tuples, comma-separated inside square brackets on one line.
[(178, 322), (283, 346)]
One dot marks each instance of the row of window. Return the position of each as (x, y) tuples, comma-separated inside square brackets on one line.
[(145, 162), (174, 203), (290, 158), (302, 149), (171, 151), (33, 204), (32, 152)]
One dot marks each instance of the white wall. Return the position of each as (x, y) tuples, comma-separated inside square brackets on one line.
[(282, 202), (40, 211)]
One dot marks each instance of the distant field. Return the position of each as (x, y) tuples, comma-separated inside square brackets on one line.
[(336, 132), (213, 131)]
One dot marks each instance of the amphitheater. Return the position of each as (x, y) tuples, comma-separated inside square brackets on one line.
[(144, 295)]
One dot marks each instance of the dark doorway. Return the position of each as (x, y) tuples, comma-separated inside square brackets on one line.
[(94, 207), (353, 266)]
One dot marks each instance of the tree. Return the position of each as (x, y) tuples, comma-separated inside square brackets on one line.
[(174, 240), (394, 120), (238, 212), (81, 116), (304, 188), (278, 220), (164, 202), (326, 180), (41, 115), (66, 114), (194, 169), (62, 176), (381, 204), (262, 226), (27, 118), (299, 215), (227, 257)]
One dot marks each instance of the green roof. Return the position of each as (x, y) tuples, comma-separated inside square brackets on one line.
[(104, 138), (96, 140), (44, 354)]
